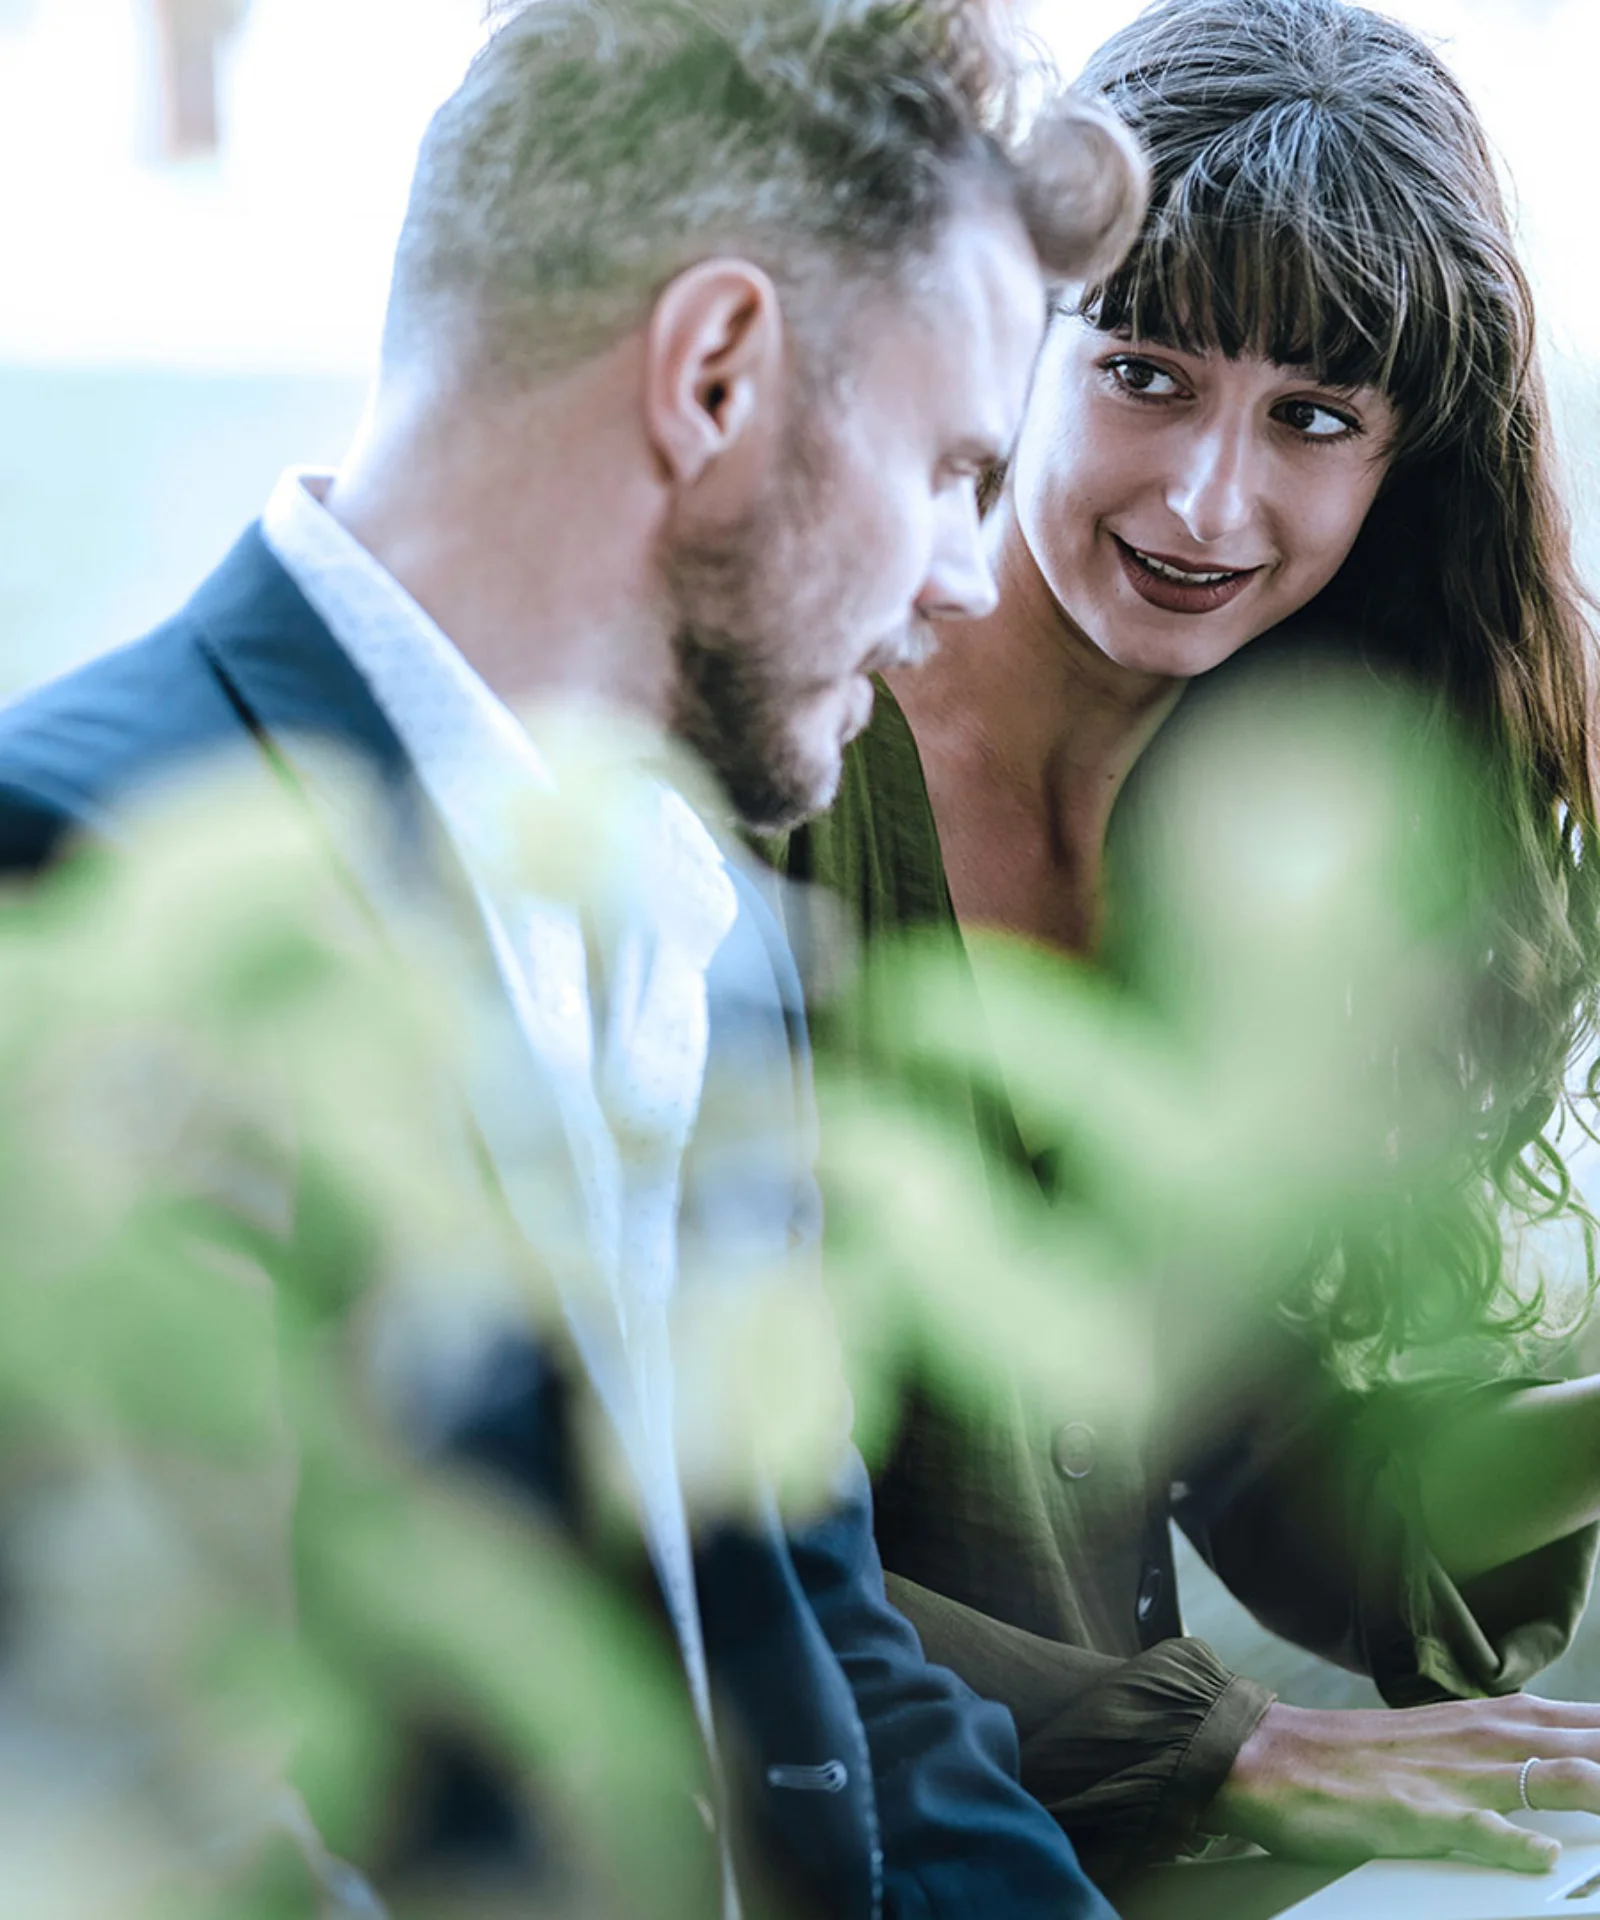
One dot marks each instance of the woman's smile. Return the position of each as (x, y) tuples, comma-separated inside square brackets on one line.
[(1179, 587)]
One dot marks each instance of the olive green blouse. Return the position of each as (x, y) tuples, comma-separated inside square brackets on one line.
[(1034, 1554)]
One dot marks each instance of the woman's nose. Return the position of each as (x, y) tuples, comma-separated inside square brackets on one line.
[(1215, 491)]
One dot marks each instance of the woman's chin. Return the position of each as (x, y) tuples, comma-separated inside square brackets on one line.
[(1172, 656)]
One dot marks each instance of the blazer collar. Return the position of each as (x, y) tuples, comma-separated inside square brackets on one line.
[(288, 675), (298, 692)]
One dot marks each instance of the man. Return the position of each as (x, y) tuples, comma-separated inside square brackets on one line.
[(704, 325)]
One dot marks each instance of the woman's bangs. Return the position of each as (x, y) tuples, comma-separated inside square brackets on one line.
[(1335, 284)]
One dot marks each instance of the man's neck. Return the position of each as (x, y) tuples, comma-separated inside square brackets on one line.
[(525, 542)]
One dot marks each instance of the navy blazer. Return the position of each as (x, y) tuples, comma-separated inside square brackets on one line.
[(878, 1784)]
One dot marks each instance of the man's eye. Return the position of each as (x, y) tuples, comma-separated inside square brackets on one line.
[(1142, 377), (1317, 422)]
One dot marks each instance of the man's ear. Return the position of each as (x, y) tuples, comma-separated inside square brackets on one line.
[(713, 361)]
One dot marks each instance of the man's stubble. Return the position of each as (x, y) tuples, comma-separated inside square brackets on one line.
[(757, 605)]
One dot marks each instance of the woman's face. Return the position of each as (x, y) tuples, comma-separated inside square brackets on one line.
[(1178, 504)]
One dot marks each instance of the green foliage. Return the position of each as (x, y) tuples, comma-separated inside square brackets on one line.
[(234, 1181), (1276, 1066), (194, 1034)]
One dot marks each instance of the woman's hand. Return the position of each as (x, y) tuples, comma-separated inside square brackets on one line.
[(1414, 1781)]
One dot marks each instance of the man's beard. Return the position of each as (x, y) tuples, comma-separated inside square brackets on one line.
[(737, 713), (750, 604)]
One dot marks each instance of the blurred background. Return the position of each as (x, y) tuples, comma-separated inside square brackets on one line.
[(201, 200)]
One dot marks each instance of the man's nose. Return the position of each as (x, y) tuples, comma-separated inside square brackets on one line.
[(1216, 487), (960, 583)]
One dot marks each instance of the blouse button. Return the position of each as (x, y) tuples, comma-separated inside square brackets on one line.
[(1149, 1593), (1072, 1450)]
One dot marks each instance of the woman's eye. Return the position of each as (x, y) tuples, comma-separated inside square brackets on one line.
[(1317, 422), (1142, 377)]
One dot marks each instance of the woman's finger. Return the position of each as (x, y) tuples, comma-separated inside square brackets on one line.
[(1494, 1840), (1511, 1737), (1514, 1726), (1568, 1716), (1556, 1785)]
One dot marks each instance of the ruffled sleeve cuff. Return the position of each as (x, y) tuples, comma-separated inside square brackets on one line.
[(1130, 1768)]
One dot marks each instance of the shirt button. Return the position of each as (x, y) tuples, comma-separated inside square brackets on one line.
[(1072, 1450), (1149, 1593)]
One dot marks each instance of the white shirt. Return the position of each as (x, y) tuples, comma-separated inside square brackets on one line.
[(627, 1097)]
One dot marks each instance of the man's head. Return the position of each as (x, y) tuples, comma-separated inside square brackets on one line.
[(813, 223)]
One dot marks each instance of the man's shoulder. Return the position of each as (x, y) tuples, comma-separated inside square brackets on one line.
[(73, 749), (76, 750)]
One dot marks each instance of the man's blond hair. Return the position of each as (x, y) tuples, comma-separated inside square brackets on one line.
[(597, 147)]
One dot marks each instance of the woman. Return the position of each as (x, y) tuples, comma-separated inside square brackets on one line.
[(1306, 401)]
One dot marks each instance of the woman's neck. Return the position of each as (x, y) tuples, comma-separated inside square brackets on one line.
[(1027, 732)]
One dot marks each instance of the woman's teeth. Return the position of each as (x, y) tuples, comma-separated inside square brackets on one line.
[(1182, 575)]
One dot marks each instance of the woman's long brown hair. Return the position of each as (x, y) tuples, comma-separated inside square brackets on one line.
[(1323, 195)]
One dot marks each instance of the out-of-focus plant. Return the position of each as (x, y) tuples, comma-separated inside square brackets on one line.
[(239, 1202), (1274, 1065), (194, 1030)]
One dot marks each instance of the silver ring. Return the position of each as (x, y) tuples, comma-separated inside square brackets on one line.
[(1522, 1784)]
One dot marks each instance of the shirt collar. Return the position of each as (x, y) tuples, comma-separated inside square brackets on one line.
[(462, 738), (472, 755)]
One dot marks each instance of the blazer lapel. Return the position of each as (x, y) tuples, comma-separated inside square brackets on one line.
[(528, 1090), (336, 753)]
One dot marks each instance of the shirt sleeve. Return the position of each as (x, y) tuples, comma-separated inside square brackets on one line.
[(1126, 1754), (1313, 1519)]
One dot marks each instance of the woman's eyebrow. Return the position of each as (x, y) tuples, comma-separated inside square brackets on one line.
[(1161, 337), (1352, 390), (1315, 376)]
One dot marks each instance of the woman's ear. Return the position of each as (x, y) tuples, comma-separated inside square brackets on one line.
[(713, 360)]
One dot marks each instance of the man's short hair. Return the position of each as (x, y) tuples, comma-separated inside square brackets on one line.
[(598, 147)]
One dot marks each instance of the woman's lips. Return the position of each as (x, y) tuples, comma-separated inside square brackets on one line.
[(1180, 596)]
